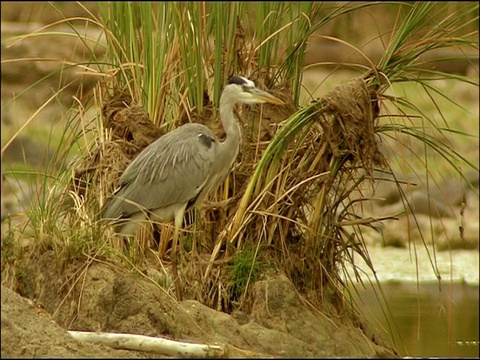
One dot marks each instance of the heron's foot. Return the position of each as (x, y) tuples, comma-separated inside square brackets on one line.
[(216, 205)]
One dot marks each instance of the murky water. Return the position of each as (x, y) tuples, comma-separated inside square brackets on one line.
[(422, 318), (425, 320)]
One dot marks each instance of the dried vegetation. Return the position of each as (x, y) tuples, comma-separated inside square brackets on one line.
[(286, 218)]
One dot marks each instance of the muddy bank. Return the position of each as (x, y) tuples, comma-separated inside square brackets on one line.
[(106, 299)]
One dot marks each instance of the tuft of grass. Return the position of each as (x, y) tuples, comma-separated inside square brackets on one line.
[(244, 270), (304, 185)]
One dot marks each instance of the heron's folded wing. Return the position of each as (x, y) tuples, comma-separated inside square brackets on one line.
[(172, 170)]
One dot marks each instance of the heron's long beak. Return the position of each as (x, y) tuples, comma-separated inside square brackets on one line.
[(266, 97)]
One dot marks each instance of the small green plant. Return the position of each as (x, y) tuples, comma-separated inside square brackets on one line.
[(244, 270)]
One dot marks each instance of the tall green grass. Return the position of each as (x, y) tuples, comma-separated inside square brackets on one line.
[(172, 54)]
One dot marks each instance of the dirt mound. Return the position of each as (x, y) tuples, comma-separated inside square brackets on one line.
[(104, 298), (36, 335)]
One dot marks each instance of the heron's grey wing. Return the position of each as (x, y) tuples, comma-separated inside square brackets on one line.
[(172, 170)]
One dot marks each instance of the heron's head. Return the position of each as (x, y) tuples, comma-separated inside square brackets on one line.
[(243, 90)]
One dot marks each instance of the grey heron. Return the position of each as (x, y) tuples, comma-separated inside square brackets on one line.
[(178, 170)]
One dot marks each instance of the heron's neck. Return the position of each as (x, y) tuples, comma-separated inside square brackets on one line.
[(230, 124)]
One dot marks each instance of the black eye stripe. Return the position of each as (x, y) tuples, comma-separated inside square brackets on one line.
[(237, 80)]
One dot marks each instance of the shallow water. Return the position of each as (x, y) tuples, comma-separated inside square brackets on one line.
[(422, 316), (425, 320)]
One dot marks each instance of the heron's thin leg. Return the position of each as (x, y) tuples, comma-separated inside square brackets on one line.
[(176, 280), (178, 224)]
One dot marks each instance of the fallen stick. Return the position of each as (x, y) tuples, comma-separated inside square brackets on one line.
[(148, 343)]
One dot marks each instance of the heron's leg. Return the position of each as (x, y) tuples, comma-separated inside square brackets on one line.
[(176, 280), (178, 224)]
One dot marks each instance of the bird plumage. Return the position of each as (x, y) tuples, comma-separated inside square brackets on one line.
[(180, 168), (172, 170)]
